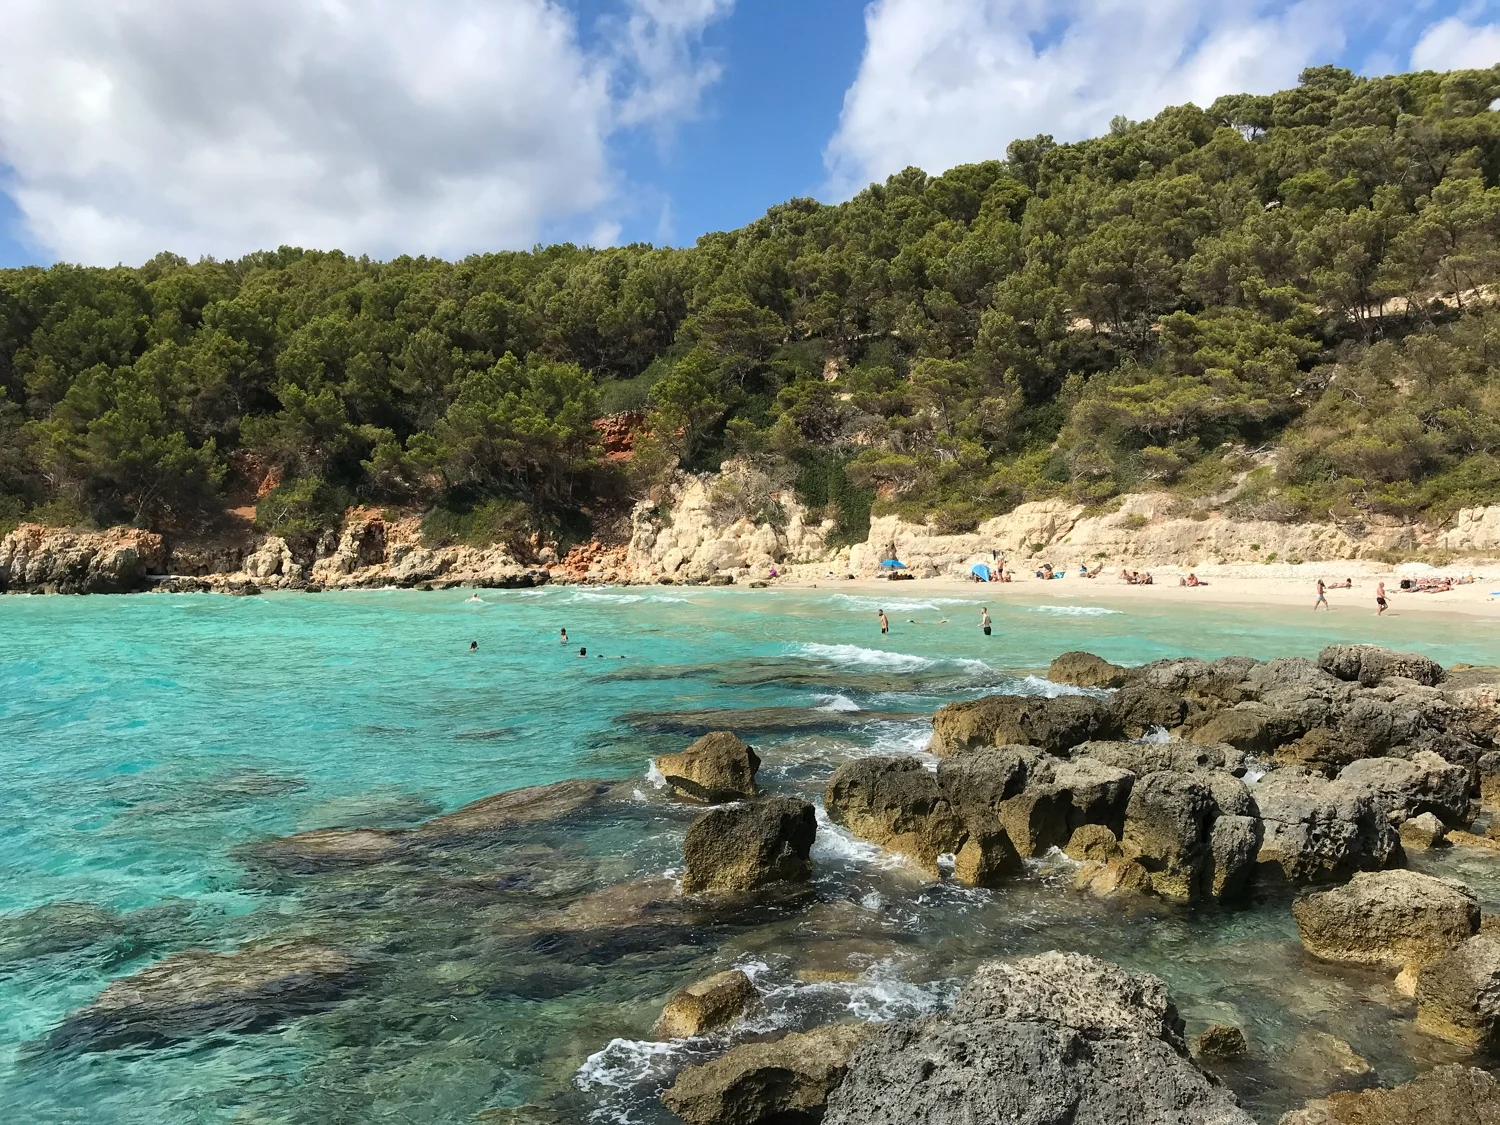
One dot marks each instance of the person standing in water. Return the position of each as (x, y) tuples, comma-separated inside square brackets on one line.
[(885, 626), (984, 620), (1380, 601), (564, 633), (1322, 598)]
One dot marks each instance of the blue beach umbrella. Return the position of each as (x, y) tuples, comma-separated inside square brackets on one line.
[(893, 564), (981, 570)]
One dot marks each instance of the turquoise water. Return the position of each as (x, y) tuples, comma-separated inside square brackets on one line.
[(144, 740)]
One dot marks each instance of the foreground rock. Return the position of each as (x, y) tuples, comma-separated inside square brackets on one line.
[(1055, 724), (1371, 665), (194, 993), (742, 847), (705, 1005), (1458, 996), (1084, 669), (1054, 1038), (897, 803), (718, 767), (1447, 1095), (1399, 920), (783, 1081)]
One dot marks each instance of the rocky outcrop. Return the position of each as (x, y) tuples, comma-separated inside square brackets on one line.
[(1440, 1096), (1372, 665), (743, 847), (897, 803), (705, 1005), (1404, 788), (1055, 723), (1166, 832), (1058, 1037), (1398, 920), (1084, 669), (49, 560), (767, 1083), (1458, 995), (194, 993), (1317, 830), (717, 767)]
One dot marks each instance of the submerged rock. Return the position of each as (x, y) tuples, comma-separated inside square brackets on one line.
[(1371, 665), (1458, 995), (329, 849), (1456, 1094), (741, 847), (1084, 669), (56, 927), (705, 1005), (537, 804), (897, 803), (1054, 1038), (1398, 920), (1221, 1042), (779, 1082), (194, 993), (717, 767)]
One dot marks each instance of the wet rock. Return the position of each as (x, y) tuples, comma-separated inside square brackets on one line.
[(1425, 783), (1053, 724), (1458, 995), (716, 768), (897, 803), (1489, 781), (1233, 843), (1421, 833), (194, 993), (979, 781), (1054, 1038), (1320, 1058), (1097, 792), (1398, 920), (1140, 707), (782, 1081), (56, 927), (1314, 829), (1221, 1042), (1037, 818), (1371, 665), (1113, 876), (987, 858), (705, 1005), (1442, 1095), (328, 849), (742, 847), (1156, 757), (1092, 842), (1084, 669), (537, 804), (1166, 831)]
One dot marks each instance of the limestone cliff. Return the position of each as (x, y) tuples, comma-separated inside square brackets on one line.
[(48, 560)]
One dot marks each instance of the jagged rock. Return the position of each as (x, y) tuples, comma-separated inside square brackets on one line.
[(1398, 920), (1458, 995), (1409, 787), (1233, 842), (1084, 669), (1371, 664), (1322, 749), (1444, 1095), (1036, 819), (1489, 781), (986, 858), (1423, 832), (1092, 842), (1097, 792), (1220, 1042), (1314, 829), (979, 781), (897, 803), (765, 1083), (192, 993), (1172, 756), (1054, 1038), (1112, 876), (742, 847), (49, 560), (1214, 682), (1054, 724), (717, 767), (1251, 727), (1166, 831), (1141, 706), (705, 1005)]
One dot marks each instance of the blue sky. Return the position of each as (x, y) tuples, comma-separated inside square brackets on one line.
[(456, 126)]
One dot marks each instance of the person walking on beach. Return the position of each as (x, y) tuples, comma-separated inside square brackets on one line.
[(984, 620), (1322, 598), (1380, 601), (885, 626)]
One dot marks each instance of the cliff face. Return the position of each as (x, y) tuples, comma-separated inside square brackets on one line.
[(46, 560)]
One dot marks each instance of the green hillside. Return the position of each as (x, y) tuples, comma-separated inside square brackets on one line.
[(1273, 306)]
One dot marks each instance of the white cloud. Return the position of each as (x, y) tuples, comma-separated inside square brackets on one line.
[(1453, 44), (378, 126), (947, 82)]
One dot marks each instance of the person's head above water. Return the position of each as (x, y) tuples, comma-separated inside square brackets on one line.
[(583, 652), (473, 646)]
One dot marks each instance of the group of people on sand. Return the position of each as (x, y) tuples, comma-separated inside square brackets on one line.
[(1381, 602), (1435, 585), (1138, 578)]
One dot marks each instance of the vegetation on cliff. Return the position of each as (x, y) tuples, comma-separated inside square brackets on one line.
[(1274, 304)]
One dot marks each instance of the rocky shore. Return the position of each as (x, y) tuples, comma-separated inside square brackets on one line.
[(1294, 785)]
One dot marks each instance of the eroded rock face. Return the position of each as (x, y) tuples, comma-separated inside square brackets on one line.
[(1458, 995), (1054, 1038), (784, 1080), (1166, 831), (1371, 665), (1314, 829), (705, 1005), (1424, 783), (1173, 756), (897, 803), (742, 847), (1399, 920), (716, 768), (49, 560), (1053, 724), (194, 993), (1084, 669), (1445, 1094)]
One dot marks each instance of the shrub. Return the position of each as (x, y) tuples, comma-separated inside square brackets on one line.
[(301, 510)]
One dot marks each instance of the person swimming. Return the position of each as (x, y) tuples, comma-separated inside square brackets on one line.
[(583, 652), (473, 646), (474, 597), (564, 633)]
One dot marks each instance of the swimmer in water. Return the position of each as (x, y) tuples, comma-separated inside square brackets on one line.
[(473, 646), (984, 621), (583, 652), (476, 598), (885, 625), (564, 633)]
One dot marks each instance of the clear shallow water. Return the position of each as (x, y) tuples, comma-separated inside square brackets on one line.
[(144, 739)]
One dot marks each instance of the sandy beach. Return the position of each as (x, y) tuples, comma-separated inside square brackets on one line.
[(1223, 585)]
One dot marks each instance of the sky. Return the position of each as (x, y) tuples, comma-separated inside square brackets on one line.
[(451, 127)]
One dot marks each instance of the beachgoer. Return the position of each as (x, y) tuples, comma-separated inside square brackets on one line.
[(476, 598), (885, 626), (564, 635), (473, 646), (1322, 598), (984, 621), (583, 652), (1380, 601)]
